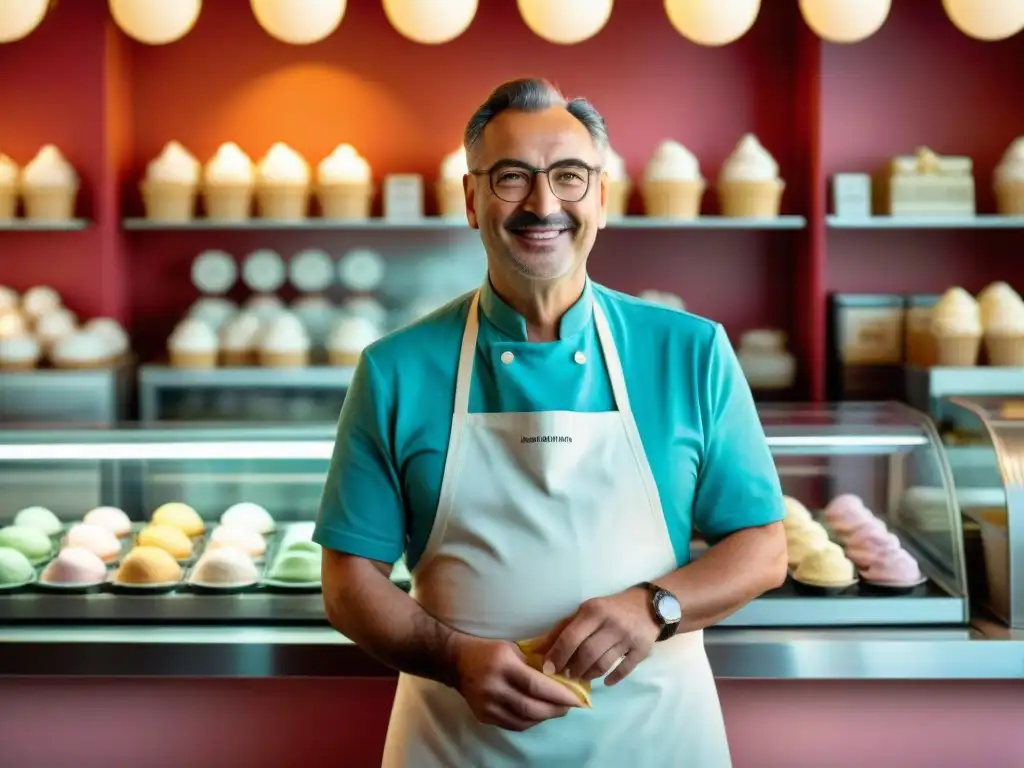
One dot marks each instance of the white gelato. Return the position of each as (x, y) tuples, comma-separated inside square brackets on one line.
[(749, 161), (80, 347), (111, 332), (19, 349), (283, 165), (365, 306), (56, 324), (615, 166), (9, 299), (1006, 319), (285, 334), (240, 333), (40, 300), (229, 165), (12, 323), (344, 165), (353, 334), (49, 169), (192, 335), (455, 165), (956, 314), (1011, 167), (672, 161), (174, 165), (266, 306), (8, 171)]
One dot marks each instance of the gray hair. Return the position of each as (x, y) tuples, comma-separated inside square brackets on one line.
[(534, 95)]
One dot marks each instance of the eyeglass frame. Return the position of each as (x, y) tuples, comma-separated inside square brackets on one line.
[(569, 163)]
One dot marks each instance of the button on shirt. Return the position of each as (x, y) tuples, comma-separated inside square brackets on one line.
[(692, 405)]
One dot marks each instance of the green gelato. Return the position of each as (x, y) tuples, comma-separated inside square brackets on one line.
[(303, 546), (41, 519), (31, 542), (14, 567), (297, 568)]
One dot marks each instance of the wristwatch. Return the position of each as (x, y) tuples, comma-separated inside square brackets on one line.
[(666, 609)]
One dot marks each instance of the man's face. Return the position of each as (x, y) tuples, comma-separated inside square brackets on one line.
[(540, 236)]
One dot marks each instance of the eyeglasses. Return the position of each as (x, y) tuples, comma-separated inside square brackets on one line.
[(569, 180)]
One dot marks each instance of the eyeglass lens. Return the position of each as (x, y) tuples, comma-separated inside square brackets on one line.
[(569, 183)]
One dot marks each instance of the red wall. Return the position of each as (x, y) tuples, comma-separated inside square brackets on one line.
[(112, 104)]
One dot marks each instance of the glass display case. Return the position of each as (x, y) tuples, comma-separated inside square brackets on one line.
[(984, 442), (886, 454)]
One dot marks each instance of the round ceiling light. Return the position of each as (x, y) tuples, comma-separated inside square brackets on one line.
[(845, 21), (156, 22), (18, 18), (986, 19), (430, 22), (712, 22), (299, 22), (565, 22)]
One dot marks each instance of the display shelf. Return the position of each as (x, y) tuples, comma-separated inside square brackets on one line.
[(433, 223), (255, 377), (24, 225), (983, 221)]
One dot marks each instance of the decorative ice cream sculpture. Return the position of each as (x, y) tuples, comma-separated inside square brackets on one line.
[(171, 185), (672, 186)]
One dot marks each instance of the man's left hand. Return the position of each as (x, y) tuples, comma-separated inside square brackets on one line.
[(603, 630)]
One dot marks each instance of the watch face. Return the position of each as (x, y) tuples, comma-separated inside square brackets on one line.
[(669, 608)]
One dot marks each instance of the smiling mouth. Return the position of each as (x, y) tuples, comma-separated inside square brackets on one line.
[(538, 235)]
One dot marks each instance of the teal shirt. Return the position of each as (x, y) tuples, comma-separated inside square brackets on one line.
[(692, 405)]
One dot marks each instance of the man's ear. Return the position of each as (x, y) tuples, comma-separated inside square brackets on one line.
[(469, 187)]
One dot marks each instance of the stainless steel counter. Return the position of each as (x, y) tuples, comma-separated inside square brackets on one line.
[(982, 652)]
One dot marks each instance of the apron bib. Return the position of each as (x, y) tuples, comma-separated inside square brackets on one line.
[(539, 512)]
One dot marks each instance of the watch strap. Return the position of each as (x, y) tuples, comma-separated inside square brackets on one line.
[(668, 628)]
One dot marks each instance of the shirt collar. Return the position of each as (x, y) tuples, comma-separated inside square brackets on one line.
[(513, 325)]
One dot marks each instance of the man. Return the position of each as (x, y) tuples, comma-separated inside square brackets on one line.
[(541, 450)]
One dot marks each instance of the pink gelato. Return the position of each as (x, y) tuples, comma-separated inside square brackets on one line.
[(871, 543), (96, 539), (75, 565), (845, 514), (896, 569), (111, 518), (237, 537)]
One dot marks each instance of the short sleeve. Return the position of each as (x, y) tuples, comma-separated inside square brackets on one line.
[(361, 512), (738, 485)]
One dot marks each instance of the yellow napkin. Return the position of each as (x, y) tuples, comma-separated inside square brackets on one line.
[(580, 688)]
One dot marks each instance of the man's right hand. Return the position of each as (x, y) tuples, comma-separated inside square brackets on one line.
[(501, 689)]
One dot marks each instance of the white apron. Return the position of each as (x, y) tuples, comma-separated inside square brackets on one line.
[(525, 532)]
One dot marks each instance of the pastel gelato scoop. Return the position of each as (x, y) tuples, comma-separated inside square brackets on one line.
[(297, 567), (169, 538), (225, 567), (897, 568), (956, 313), (749, 161), (304, 546), (229, 165), (31, 542), (15, 568), (846, 513), (825, 567), (111, 518), (344, 165), (49, 169), (234, 536), (181, 516), (797, 515), (41, 519), (1011, 166), (75, 565), (248, 515), (174, 165), (96, 539), (455, 165), (146, 565), (283, 165), (871, 543), (672, 161), (801, 542)]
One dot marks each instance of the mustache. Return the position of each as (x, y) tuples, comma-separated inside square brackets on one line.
[(530, 220)]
